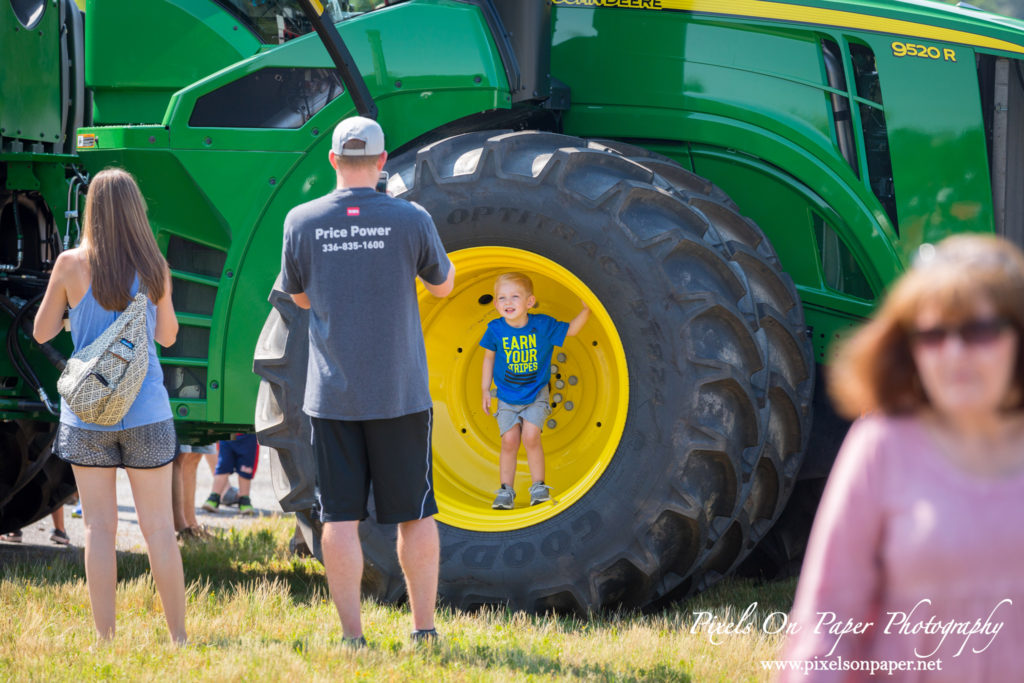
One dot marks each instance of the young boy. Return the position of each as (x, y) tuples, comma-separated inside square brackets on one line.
[(240, 454), (522, 345)]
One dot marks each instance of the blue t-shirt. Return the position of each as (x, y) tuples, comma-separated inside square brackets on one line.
[(522, 355), (88, 321)]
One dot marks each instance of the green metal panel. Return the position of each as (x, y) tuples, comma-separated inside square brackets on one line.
[(746, 103), (936, 130), (30, 76), (229, 189), (735, 90), (139, 53)]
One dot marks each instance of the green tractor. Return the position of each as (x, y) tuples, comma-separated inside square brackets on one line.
[(729, 185)]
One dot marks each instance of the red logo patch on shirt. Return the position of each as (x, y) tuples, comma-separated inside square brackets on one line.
[(353, 211)]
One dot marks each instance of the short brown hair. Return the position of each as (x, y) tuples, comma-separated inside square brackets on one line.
[(874, 370), (520, 279), (119, 241)]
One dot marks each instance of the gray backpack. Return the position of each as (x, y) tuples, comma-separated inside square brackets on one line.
[(101, 381)]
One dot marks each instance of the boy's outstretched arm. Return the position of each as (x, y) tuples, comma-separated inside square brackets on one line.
[(485, 380), (577, 323)]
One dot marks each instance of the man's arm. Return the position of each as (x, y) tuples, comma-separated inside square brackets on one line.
[(441, 290), (579, 321), (301, 300)]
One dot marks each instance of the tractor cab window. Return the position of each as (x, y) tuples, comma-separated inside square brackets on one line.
[(858, 99), (873, 128), (278, 21), (274, 97)]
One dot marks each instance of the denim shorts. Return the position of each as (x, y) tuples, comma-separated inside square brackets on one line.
[(511, 414), (143, 447)]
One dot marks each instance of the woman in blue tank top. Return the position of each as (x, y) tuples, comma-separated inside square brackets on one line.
[(97, 281)]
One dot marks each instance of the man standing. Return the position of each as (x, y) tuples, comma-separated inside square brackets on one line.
[(352, 258)]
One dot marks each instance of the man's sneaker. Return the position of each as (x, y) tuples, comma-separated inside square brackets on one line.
[(357, 643), (427, 635), (505, 498), (245, 506), (212, 503), (59, 537), (539, 493)]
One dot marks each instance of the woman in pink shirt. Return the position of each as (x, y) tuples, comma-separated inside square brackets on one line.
[(915, 564)]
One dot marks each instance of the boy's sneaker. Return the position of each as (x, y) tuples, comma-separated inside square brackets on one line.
[(212, 503), (59, 537), (505, 498), (539, 493), (427, 635), (245, 506)]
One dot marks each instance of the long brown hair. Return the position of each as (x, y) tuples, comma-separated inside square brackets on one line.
[(875, 370), (119, 241)]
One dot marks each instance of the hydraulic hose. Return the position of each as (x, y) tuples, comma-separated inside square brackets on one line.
[(17, 355), (7, 267)]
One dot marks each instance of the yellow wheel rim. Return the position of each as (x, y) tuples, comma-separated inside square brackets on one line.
[(585, 426)]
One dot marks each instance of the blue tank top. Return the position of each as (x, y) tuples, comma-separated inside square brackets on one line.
[(88, 321)]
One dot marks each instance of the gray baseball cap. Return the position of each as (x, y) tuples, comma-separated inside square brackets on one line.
[(358, 129)]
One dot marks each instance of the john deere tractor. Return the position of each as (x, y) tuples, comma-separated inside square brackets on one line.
[(730, 185)]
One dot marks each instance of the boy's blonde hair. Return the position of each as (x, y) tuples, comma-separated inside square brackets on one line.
[(517, 279)]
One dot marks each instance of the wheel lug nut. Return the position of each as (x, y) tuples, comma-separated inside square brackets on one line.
[(552, 424), (557, 398), (559, 384), (569, 405), (554, 369), (573, 380)]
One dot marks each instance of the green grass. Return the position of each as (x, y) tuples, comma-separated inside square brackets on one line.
[(257, 614)]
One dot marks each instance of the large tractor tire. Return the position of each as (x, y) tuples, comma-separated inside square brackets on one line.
[(33, 481), (280, 360), (680, 412)]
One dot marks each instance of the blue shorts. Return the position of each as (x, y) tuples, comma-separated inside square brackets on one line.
[(238, 455)]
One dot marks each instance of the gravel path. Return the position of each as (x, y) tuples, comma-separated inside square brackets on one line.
[(129, 537)]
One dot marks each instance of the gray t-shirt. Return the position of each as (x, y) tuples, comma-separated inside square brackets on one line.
[(356, 254)]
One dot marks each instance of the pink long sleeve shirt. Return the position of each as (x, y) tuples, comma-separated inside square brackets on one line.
[(911, 559)]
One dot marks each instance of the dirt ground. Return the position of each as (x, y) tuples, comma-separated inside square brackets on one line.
[(128, 534)]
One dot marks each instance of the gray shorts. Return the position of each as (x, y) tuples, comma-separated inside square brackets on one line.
[(510, 414), (144, 447)]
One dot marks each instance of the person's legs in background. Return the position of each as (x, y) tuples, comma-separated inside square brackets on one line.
[(225, 466), (59, 534), (246, 458), (178, 492)]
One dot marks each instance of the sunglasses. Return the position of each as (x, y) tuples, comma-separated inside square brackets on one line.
[(971, 333)]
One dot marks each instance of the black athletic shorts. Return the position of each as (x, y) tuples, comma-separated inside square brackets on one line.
[(393, 455)]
